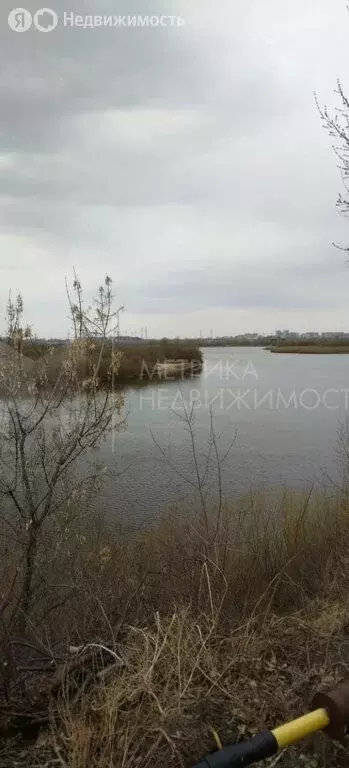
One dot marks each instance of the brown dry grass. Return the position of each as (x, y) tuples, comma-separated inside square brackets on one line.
[(184, 681), (137, 363), (226, 636)]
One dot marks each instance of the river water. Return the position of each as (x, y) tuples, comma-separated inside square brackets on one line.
[(278, 414)]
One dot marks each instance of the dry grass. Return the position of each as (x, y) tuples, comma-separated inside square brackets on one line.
[(137, 362), (227, 635), (183, 681)]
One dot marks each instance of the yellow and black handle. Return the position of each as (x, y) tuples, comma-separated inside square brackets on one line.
[(331, 714)]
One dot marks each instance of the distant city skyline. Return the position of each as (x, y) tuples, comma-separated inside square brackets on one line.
[(186, 326), (277, 334)]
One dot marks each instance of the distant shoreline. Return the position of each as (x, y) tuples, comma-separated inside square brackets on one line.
[(311, 349)]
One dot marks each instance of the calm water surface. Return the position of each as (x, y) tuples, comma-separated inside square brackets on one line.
[(283, 413)]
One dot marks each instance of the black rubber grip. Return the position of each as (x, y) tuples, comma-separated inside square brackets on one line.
[(258, 748)]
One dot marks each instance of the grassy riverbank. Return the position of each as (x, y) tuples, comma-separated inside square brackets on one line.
[(311, 349), (228, 622), (137, 362)]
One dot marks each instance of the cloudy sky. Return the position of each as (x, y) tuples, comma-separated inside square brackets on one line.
[(188, 162)]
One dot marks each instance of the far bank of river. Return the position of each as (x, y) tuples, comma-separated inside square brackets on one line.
[(281, 413), (311, 349)]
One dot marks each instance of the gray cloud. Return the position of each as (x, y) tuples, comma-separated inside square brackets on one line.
[(187, 162)]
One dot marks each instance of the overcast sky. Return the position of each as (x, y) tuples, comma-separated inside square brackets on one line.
[(187, 162)]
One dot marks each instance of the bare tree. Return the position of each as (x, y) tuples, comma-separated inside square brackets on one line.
[(48, 427), (15, 332), (336, 122), (203, 475)]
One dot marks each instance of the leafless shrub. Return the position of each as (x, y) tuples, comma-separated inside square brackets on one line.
[(46, 431)]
